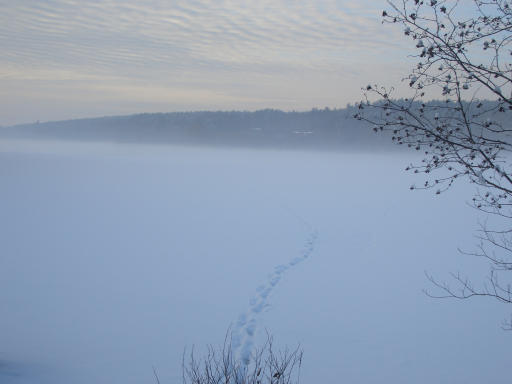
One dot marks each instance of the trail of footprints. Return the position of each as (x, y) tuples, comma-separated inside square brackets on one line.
[(242, 341)]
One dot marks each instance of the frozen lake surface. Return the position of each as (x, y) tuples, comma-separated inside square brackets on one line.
[(115, 258)]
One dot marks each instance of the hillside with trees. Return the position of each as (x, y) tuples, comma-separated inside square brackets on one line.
[(318, 129)]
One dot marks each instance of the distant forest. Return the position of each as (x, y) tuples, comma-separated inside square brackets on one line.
[(330, 129)]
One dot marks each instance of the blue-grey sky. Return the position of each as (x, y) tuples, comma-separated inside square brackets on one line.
[(76, 58)]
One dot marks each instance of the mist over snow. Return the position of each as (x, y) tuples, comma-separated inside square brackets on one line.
[(327, 129), (316, 129), (114, 258)]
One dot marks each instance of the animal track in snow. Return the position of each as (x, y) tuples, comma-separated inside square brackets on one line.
[(242, 338)]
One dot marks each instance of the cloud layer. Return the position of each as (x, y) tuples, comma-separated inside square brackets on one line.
[(217, 54)]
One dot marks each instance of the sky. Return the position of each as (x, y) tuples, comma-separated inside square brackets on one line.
[(66, 59)]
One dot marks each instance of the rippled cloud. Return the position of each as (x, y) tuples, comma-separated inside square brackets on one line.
[(232, 54)]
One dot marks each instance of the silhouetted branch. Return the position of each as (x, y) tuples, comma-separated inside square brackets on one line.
[(461, 137)]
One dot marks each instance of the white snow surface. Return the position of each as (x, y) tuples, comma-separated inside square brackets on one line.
[(242, 336), (114, 258)]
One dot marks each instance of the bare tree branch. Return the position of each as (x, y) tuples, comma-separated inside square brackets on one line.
[(462, 136)]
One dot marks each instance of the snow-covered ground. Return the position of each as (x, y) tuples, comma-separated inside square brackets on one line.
[(115, 258)]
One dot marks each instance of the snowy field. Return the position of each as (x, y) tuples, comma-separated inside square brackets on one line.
[(115, 258)]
